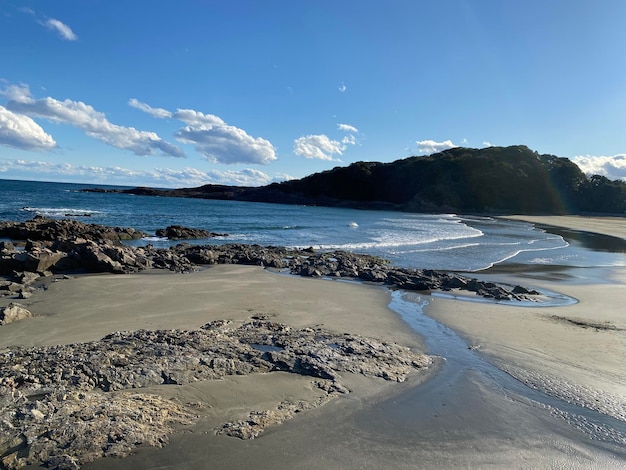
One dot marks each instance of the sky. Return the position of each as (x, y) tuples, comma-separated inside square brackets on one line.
[(186, 93)]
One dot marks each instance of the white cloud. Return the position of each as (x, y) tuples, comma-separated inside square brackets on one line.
[(18, 93), (349, 139), (342, 88), (156, 112), (431, 146), (22, 132), (246, 177), (322, 147), (64, 30), (198, 119), (227, 144), (319, 147), (347, 128), (93, 123), (487, 144), (217, 141), (283, 177), (613, 167)]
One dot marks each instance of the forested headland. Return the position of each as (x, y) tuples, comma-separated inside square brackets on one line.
[(511, 179)]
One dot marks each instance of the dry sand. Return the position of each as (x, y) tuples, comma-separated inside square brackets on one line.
[(459, 418), (89, 307)]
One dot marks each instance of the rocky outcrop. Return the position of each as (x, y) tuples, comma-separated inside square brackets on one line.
[(44, 228), (343, 264), (101, 254), (178, 232), (58, 403)]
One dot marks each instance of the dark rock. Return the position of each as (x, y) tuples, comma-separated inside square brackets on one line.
[(178, 232), (43, 228), (524, 291)]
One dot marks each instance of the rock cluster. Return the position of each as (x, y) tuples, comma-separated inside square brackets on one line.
[(69, 404), (44, 228), (85, 251), (343, 264)]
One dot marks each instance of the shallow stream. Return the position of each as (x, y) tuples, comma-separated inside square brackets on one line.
[(459, 359)]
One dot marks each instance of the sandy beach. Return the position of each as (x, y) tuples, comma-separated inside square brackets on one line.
[(611, 226), (460, 413)]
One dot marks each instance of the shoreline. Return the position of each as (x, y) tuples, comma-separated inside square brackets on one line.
[(610, 226), (447, 416)]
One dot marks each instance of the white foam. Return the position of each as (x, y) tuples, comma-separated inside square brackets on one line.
[(61, 211)]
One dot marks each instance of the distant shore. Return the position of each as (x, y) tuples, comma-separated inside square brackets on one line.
[(442, 418)]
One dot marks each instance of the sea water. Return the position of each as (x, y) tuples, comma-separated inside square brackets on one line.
[(429, 241)]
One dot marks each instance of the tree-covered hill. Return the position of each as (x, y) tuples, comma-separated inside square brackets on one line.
[(493, 180)]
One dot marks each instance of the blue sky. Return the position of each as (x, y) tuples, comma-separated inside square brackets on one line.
[(185, 93)]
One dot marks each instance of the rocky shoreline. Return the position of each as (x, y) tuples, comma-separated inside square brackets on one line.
[(41, 247), (62, 406)]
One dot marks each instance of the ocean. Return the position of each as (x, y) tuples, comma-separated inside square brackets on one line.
[(428, 241)]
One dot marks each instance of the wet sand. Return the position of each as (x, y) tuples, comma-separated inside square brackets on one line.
[(463, 413)]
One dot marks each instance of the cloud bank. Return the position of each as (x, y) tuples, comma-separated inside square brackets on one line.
[(160, 177), (216, 140), (93, 123), (613, 167)]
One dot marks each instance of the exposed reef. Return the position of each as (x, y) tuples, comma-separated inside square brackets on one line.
[(62, 406)]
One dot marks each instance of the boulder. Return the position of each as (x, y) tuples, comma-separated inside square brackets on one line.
[(39, 259), (13, 312)]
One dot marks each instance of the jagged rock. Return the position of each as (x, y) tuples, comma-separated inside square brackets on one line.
[(524, 291), (68, 429), (178, 232), (38, 259), (13, 312), (44, 228), (9, 286), (26, 277)]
